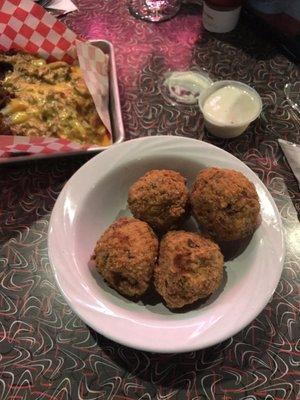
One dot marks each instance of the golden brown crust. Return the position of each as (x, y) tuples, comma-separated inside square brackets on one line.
[(125, 256), (190, 267), (160, 198), (225, 204)]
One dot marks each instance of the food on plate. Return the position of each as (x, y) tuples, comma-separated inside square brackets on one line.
[(225, 204), (47, 99), (160, 198), (190, 267), (125, 256)]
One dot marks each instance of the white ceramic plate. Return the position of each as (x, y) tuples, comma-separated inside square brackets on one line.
[(96, 195)]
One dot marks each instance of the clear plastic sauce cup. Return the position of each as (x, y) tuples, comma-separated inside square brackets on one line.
[(228, 107)]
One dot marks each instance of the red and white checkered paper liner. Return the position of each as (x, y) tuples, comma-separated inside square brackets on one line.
[(26, 26), (21, 145), (94, 65)]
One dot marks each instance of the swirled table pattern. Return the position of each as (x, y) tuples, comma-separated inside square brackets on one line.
[(46, 351)]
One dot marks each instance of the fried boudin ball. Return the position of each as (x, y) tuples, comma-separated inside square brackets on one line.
[(225, 204), (160, 198), (190, 267), (125, 256)]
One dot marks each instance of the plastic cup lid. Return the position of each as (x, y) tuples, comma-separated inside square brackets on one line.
[(185, 86)]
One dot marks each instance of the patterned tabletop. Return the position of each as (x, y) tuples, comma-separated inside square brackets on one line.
[(46, 351)]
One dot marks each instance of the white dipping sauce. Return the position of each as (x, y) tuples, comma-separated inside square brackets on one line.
[(231, 105)]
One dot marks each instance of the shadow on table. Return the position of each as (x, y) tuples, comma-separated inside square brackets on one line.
[(250, 40), (253, 35), (179, 372), (255, 41)]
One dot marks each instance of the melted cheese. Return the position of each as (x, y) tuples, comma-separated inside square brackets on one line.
[(51, 100)]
